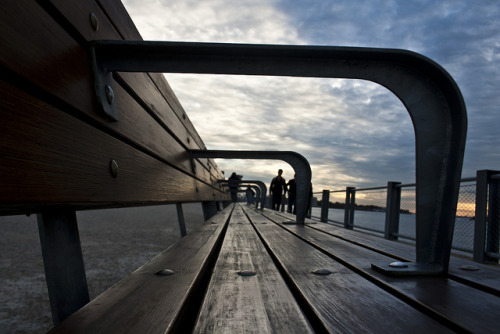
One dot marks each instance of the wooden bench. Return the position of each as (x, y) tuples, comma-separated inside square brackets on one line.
[(60, 153), (244, 270)]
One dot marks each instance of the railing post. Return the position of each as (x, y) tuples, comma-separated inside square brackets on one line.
[(63, 261), (487, 217), (392, 210), (350, 199), (325, 201), (180, 217)]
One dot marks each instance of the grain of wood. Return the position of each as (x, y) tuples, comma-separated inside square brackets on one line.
[(343, 300), (145, 302), (248, 304)]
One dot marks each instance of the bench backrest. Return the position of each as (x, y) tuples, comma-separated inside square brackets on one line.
[(57, 148)]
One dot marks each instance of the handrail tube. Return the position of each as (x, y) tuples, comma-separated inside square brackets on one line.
[(371, 188), (261, 186), (263, 189), (429, 93), (299, 164)]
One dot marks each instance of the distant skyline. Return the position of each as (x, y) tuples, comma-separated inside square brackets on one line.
[(353, 132)]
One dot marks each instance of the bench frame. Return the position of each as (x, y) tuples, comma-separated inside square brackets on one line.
[(429, 93)]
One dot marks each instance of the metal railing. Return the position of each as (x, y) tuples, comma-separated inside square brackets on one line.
[(391, 211)]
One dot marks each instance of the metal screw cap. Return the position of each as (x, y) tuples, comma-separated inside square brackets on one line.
[(94, 21), (110, 95), (113, 168), (165, 272)]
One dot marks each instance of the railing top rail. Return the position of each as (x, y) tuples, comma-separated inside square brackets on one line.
[(465, 179), (370, 188)]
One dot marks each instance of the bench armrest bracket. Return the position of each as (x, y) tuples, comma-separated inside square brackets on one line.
[(299, 164), (429, 93)]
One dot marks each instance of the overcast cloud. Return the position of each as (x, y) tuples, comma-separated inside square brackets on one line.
[(354, 133)]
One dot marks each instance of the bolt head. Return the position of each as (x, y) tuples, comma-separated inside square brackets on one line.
[(398, 264), (113, 168), (110, 95), (94, 22), (165, 272), (322, 272)]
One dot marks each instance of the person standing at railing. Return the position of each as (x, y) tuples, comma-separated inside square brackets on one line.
[(277, 188), (291, 187)]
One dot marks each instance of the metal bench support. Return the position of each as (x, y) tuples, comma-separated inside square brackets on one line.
[(429, 93), (299, 164), (63, 261)]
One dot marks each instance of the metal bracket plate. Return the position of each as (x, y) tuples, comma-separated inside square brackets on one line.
[(103, 87)]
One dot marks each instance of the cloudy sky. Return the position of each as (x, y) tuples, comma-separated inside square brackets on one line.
[(354, 133)]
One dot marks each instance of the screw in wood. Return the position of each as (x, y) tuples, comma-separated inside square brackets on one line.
[(110, 95), (322, 271), (113, 168), (165, 272), (468, 267), (94, 22), (247, 273)]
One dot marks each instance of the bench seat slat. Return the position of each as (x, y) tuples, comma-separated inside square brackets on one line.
[(257, 304), (451, 299), (70, 80), (343, 300), (38, 168), (145, 302), (487, 276)]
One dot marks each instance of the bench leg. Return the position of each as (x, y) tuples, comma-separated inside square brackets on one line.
[(209, 209), (180, 216), (63, 261)]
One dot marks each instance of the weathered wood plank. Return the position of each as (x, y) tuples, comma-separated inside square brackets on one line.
[(469, 308), (120, 18), (344, 301), (486, 277), (69, 78), (148, 303), (249, 304), (39, 167), (122, 21)]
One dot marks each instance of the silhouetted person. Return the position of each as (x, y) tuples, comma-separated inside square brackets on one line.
[(250, 195), (233, 182), (277, 188)]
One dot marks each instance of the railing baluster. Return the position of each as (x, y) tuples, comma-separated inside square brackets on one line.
[(325, 201), (392, 210)]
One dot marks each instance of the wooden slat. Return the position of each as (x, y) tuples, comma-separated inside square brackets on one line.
[(50, 157), (343, 300), (120, 18), (37, 48), (468, 308), (250, 304), (68, 77), (124, 24), (148, 303), (486, 277)]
